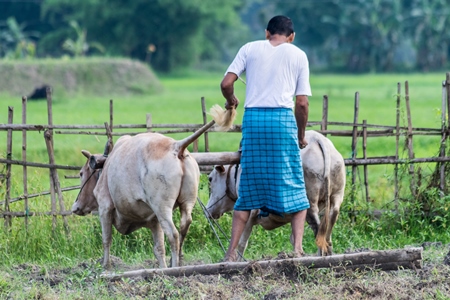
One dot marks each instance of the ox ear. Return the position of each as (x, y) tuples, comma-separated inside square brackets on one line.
[(86, 153), (96, 162), (220, 168)]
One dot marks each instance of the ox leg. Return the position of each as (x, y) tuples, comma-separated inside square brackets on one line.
[(158, 239), (106, 223), (185, 223), (167, 225), (334, 215), (313, 220)]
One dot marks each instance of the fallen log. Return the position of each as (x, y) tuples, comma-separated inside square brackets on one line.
[(386, 260)]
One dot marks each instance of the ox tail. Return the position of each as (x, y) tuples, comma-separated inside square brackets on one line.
[(181, 145), (321, 239), (223, 118)]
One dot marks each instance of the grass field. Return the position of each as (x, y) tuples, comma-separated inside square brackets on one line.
[(179, 102), (69, 261)]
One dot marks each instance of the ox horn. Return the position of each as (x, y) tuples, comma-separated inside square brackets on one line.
[(108, 148), (86, 153)]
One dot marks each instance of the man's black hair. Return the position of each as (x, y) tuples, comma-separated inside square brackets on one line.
[(280, 25)]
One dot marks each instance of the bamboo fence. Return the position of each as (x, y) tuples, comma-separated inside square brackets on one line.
[(359, 133)]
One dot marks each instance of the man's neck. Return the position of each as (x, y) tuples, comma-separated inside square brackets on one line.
[(277, 39)]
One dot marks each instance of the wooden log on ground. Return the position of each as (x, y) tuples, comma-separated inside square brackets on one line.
[(386, 260)]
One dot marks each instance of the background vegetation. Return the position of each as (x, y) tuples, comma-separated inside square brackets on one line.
[(351, 36)]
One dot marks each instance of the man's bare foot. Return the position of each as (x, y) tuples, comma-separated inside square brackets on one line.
[(298, 254), (230, 256)]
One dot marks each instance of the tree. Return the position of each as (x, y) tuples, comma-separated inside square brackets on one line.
[(358, 35), (175, 27), (429, 21), (80, 46), (15, 43)]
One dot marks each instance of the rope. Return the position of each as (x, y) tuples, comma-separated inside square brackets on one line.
[(207, 215)]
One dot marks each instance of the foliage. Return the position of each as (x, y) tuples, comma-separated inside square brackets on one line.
[(373, 36), (15, 43), (176, 28), (351, 36), (80, 46)]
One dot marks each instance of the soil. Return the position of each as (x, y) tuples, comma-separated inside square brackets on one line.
[(432, 281)]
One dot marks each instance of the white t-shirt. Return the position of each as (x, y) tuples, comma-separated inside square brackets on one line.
[(274, 74)]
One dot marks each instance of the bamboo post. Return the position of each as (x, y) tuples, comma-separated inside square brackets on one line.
[(443, 137), (354, 143), (8, 222), (366, 183), (148, 122), (447, 79), (323, 125), (205, 120), (195, 146), (24, 158), (397, 140), (47, 141), (410, 141), (447, 92), (54, 180), (111, 115), (110, 144)]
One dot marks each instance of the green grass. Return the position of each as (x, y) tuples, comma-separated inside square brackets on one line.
[(179, 102)]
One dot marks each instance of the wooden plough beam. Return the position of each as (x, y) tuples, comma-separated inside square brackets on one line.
[(386, 260)]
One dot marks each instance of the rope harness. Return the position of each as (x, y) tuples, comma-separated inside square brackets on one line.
[(82, 187)]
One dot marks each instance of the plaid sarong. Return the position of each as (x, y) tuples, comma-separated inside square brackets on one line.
[(272, 173)]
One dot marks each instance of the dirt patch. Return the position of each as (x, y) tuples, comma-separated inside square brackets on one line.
[(432, 281)]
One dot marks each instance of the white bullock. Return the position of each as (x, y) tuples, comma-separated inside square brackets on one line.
[(324, 172), (138, 185)]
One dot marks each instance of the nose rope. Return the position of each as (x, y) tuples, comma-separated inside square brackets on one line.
[(210, 222), (218, 200), (82, 187)]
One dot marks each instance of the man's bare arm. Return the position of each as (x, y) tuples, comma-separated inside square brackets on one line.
[(301, 116), (227, 87)]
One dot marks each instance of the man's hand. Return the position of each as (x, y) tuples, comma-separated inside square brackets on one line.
[(303, 143), (234, 103)]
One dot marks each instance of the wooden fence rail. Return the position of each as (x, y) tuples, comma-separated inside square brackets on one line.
[(357, 130)]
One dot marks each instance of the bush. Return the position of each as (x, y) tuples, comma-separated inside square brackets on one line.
[(90, 76)]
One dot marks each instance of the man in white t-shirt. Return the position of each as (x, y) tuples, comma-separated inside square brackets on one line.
[(277, 72)]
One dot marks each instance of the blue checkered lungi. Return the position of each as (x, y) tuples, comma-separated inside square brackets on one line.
[(272, 174)]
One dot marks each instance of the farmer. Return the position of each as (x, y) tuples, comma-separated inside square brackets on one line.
[(272, 135)]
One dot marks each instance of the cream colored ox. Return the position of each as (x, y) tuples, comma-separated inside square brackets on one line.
[(138, 185), (324, 172)]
